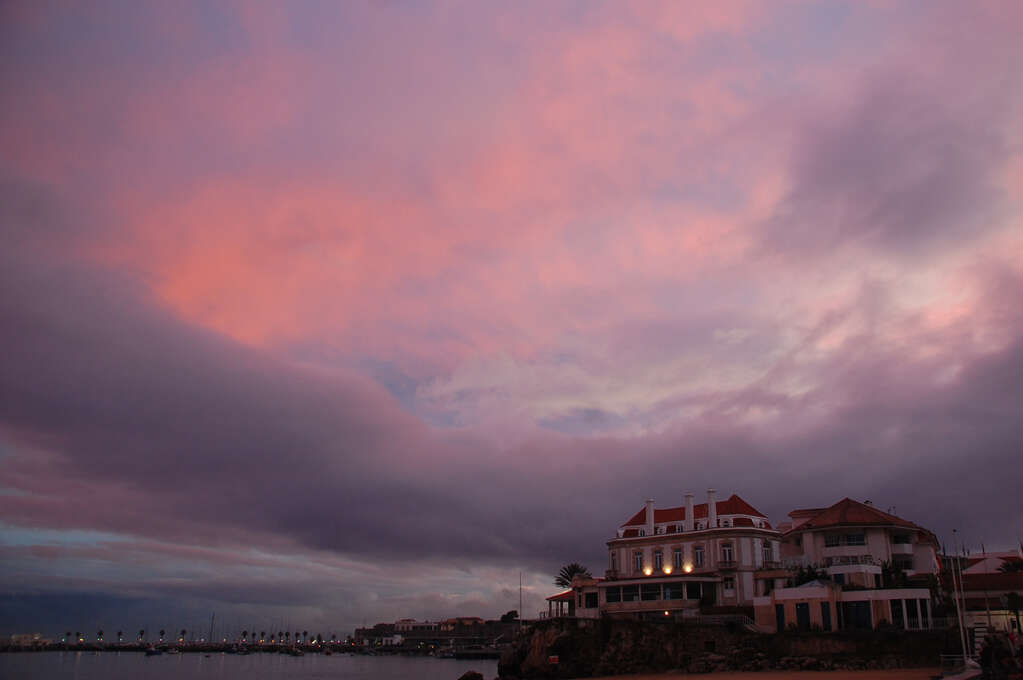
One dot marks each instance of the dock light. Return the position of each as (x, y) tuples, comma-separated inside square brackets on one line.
[(688, 567), (667, 569), (647, 570), (666, 613)]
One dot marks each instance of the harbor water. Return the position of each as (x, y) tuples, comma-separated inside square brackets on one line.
[(219, 666)]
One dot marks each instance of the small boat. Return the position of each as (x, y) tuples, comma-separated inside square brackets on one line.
[(153, 651)]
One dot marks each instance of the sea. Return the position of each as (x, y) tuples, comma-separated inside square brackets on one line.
[(90, 665)]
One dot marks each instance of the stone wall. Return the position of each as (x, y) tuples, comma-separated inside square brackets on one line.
[(605, 647)]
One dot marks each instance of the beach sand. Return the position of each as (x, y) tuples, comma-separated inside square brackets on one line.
[(896, 674)]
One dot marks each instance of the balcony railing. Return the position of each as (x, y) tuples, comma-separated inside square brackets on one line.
[(845, 560), (726, 564), (770, 564)]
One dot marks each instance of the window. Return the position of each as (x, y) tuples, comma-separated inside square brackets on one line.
[(826, 616), (630, 593), (672, 591), (591, 600), (855, 539), (901, 539), (902, 562), (897, 619), (698, 556), (651, 591), (831, 540), (613, 594), (678, 558), (768, 555), (637, 561), (694, 591), (727, 555), (913, 614), (614, 560), (803, 615), (729, 584), (838, 579), (642, 532), (658, 560), (779, 617)]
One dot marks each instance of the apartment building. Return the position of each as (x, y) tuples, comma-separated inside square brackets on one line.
[(876, 569)]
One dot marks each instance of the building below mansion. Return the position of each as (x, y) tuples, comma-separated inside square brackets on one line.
[(846, 566)]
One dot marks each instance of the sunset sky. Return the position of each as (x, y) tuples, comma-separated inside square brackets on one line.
[(340, 312)]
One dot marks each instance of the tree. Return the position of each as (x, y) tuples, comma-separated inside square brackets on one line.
[(564, 578), (805, 574), (182, 638), (1013, 567), (510, 616), (305, 635), (262, 635), (99, 635)]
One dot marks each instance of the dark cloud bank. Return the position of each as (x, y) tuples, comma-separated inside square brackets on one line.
[(119, 417)]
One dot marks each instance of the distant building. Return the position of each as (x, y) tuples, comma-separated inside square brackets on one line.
[(989, 579), (29, 640), (877, 569)]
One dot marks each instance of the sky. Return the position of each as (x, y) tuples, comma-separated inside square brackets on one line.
[(324, 314)]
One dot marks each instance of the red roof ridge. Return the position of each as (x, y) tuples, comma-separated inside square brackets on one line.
[(851, 513), (733, 505)]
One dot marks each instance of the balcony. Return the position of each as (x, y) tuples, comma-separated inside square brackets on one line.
[(727, 564), (847, 560), (770, 564)]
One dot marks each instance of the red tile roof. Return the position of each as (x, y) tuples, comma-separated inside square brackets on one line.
[(732, 506), (993, 582), (848, 512), (564, 595)]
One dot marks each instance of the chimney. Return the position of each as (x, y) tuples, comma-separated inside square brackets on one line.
[(712, 509), (689, 524), (650, 517)]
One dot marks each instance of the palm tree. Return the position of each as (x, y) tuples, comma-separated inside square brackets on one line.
[(564, 578), (305, 635), (262, 635)]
